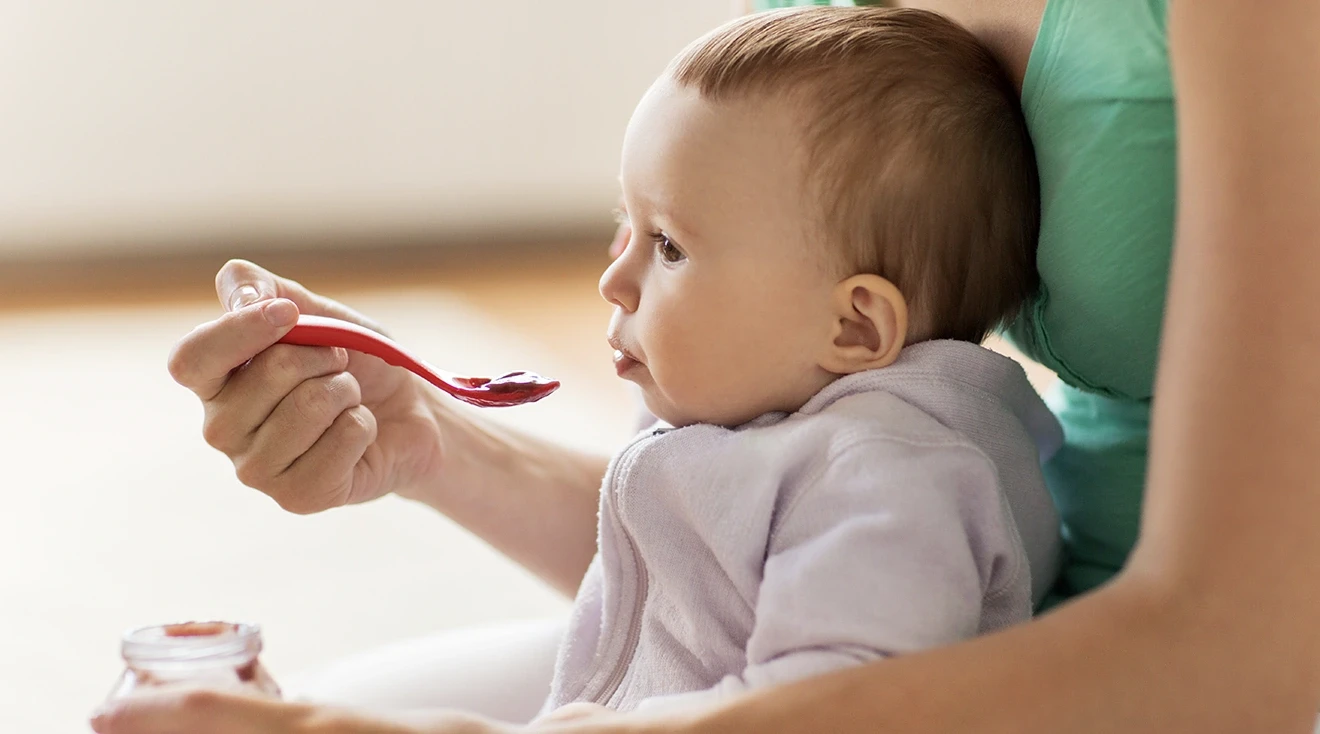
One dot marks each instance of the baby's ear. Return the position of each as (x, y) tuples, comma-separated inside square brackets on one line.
[(870, 325)]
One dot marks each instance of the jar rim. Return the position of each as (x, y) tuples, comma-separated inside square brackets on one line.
[(191, 642)]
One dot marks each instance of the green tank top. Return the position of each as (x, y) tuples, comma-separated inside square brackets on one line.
[(1098, 100)]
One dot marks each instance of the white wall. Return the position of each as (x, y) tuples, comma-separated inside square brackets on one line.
[(148, 123)]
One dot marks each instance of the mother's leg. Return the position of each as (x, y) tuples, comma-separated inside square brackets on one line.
[(501, 671)]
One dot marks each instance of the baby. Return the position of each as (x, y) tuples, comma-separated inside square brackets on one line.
[(830, 208)]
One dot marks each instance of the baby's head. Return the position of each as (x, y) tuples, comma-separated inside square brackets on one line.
[(809, 191)]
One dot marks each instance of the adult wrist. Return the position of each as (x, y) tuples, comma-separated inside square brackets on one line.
[(444, 451)]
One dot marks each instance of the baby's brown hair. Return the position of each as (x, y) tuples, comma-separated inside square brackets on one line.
[(916, 147)]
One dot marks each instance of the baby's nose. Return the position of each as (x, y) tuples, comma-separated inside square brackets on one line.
[(619, 285)]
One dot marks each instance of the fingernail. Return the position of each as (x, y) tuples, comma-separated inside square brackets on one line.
[(245, 296), (280, 313)]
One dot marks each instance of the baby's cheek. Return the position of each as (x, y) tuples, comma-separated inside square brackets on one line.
[(728, 384), (708, 363)]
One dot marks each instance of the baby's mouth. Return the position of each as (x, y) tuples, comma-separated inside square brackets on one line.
[(622, 358), (624, 362), (620, 350)]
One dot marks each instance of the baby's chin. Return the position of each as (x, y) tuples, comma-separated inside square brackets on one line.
[(668, 414), (678, 415)]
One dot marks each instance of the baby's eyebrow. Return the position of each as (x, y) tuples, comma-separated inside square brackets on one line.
[(679, 230), (621, 216)]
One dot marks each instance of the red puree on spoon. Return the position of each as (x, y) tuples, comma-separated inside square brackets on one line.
[(514, 388)]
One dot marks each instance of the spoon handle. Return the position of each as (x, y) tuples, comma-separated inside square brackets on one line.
[(319, 331)]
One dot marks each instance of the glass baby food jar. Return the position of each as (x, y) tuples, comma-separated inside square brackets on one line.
[(208, 654)]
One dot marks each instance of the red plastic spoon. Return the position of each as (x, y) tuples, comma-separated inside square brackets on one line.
[(514, 388)]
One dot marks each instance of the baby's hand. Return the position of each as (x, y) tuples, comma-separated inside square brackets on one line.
[(313, 427)]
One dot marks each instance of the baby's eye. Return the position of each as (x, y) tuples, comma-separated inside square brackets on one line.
[(668, 251)]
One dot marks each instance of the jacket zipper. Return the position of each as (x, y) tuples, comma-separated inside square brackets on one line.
[(624, 661)]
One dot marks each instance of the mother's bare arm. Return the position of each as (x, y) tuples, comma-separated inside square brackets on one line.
[(530, 498)]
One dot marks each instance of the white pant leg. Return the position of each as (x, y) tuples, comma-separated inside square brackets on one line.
[(502, 671)]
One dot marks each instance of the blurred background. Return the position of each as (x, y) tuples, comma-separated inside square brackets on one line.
[(446, 167)]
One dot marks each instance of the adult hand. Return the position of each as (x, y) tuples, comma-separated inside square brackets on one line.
[(313, 427), (579, 712), (203, 711)]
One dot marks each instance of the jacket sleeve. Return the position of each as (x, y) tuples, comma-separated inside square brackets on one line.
[(890, 549)]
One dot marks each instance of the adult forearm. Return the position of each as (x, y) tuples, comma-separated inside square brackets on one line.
[(532, 499), (1234, 491), (1125, 660)]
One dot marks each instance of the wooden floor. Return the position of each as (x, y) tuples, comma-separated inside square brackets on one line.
[(546, 293), (146, 278)]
